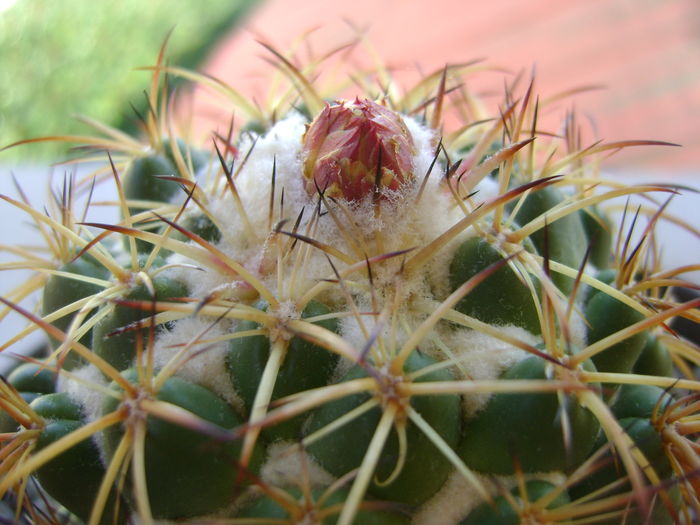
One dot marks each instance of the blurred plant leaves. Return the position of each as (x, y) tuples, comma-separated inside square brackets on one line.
[(59, 59)]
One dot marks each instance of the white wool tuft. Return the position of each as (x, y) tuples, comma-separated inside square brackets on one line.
[(288, 310), (577, 327), (484, 357), (287, 465), (457, 497), (84, 389), (200, 281), (201, 363), (81, 389), (487, 188), (425, 140), (279, 149)]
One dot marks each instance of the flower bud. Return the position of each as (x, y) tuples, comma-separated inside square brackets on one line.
[(350, 143)]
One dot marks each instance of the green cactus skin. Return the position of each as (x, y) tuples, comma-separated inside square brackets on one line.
[(639, 401), (598, 230), (502, 298), (654, 360), (33, 377), (606, 316), (634, 405), (606, 276), (646, 437), (503, 513), (74, 476), (143, 180), (147, 179), (31, 380), (119, 350), (200, 225), (566, 237), (305, 366), (266, 507), (7, 423), (57, 405), (425, 468), (60, 291), (188, 473), (528, 426), (658, 513)]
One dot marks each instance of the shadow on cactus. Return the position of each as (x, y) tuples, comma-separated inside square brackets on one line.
[(351, 312)]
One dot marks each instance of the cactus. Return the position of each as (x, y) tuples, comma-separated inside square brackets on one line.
[(350, 312)]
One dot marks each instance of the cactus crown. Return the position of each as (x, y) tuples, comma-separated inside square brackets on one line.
[(353, 314)]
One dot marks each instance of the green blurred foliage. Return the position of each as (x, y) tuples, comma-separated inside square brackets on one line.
[(68, 57)]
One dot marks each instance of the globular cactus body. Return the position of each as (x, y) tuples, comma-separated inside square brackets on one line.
[(361, 317)]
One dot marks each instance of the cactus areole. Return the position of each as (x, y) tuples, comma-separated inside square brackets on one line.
[(351, 314), (355, 149)]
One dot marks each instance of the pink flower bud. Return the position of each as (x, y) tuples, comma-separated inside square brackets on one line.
[(348, 142)]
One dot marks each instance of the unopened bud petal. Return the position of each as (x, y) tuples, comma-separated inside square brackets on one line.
[(353, 149)]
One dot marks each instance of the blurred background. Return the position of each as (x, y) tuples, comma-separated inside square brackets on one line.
[(58, 59), (78, 56)]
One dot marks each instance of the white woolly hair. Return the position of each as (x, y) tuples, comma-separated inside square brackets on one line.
[(286, 465), (457, 497), (480, 356), (199, 362)]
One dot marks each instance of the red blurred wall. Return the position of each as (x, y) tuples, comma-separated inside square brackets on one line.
[(645, 52)]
